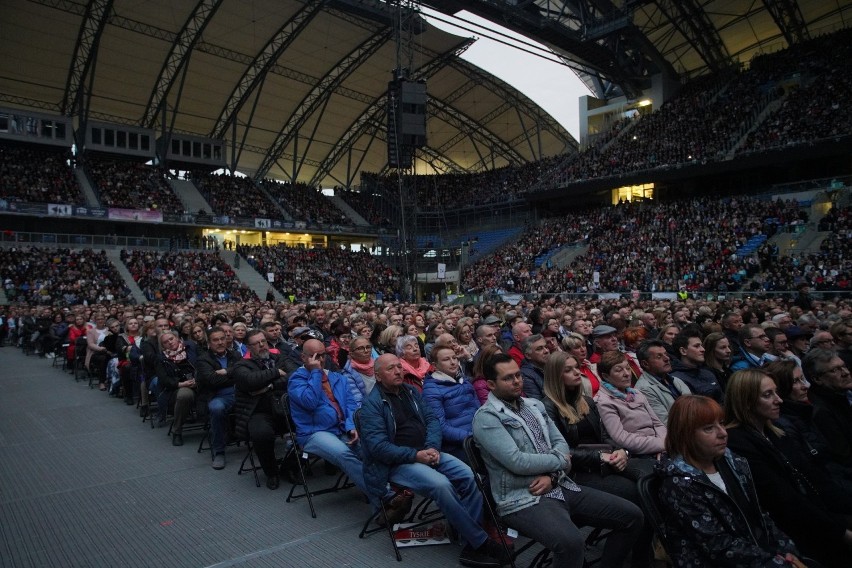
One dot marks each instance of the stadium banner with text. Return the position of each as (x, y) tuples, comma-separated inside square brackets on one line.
[(60, 209), (664, 295), (135, 215), (263, 223), (93, 212), (513, 299)]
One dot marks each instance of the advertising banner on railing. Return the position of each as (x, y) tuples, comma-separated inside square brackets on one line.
[(135, 215), (60, 209), (263, 223)]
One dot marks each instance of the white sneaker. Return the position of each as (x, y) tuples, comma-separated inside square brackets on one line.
[(50, 355)]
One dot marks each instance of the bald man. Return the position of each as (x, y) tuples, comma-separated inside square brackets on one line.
[(402, 445), (323, 411)]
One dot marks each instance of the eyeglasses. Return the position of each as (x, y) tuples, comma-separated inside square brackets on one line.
[(763, 337), (259, 342), (839, 370), (364, 348)]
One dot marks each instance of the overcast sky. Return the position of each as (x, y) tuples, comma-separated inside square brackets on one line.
[(554, 87)]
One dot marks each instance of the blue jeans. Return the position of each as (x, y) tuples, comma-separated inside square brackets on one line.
[(452, 487), (334, 449), (219, 406)]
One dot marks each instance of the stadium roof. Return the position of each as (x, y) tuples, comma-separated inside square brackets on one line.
[(298, 88), (616, 45)]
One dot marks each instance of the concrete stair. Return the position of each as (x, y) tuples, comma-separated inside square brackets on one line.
[(88, 192), (189, 195), (808, 242), (248, 275), (351, 213), (567, 255), (114, 256), (764, 114)]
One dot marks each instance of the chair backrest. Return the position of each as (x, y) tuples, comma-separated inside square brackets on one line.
[(480, 472), (649, 496)]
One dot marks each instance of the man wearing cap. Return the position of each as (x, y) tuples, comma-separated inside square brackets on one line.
[(604, 338), (532, 369), (797, 338)]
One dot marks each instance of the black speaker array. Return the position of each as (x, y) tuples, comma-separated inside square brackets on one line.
[(406, 121)]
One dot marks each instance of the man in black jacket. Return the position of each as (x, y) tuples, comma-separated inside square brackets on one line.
[(216, 385), (258, 381)]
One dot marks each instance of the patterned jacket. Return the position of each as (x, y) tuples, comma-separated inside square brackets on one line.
[(707, 527)]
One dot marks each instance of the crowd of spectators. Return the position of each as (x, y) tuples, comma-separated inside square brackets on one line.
[(185, 276), (61, 277), (828, 269), (703, 123), (235, 196), (305, 203), (683, 245), (819, 107), (322, 273), (38, 174), (708, 356), (371, 201), (132, 185)]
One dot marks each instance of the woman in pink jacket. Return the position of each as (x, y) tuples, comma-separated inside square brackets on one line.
[(625, 412)]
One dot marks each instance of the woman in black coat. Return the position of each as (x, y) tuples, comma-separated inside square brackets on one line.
[(797, 413), (811, 513), (595, 461)]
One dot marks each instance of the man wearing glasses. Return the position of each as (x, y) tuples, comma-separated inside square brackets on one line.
[(754, 344)]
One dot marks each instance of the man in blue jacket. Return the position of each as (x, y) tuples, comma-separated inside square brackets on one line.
[(402, 445), (323, 411)]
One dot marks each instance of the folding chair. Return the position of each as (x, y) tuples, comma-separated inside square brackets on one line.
[(60, 356), (480, 475), (649, 497), (418, 517), (294, 450), (249, 457)]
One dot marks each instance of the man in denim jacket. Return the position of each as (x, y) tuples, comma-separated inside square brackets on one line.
[(528, 460)]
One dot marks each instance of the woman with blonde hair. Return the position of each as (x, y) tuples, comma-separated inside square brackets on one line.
[(596, 460), (575, 344), (789, 487), (387, 339)]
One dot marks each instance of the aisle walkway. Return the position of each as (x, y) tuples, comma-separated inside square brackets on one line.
[(84, 483)]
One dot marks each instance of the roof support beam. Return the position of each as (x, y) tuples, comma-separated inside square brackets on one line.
[(178, 56), (321, 91), (82, 62), (263, 62), (470, 127), (374, 114), (788, 17), (690, 19), (517, 99)]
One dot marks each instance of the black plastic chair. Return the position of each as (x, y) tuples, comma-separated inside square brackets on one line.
[(480, 475)]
